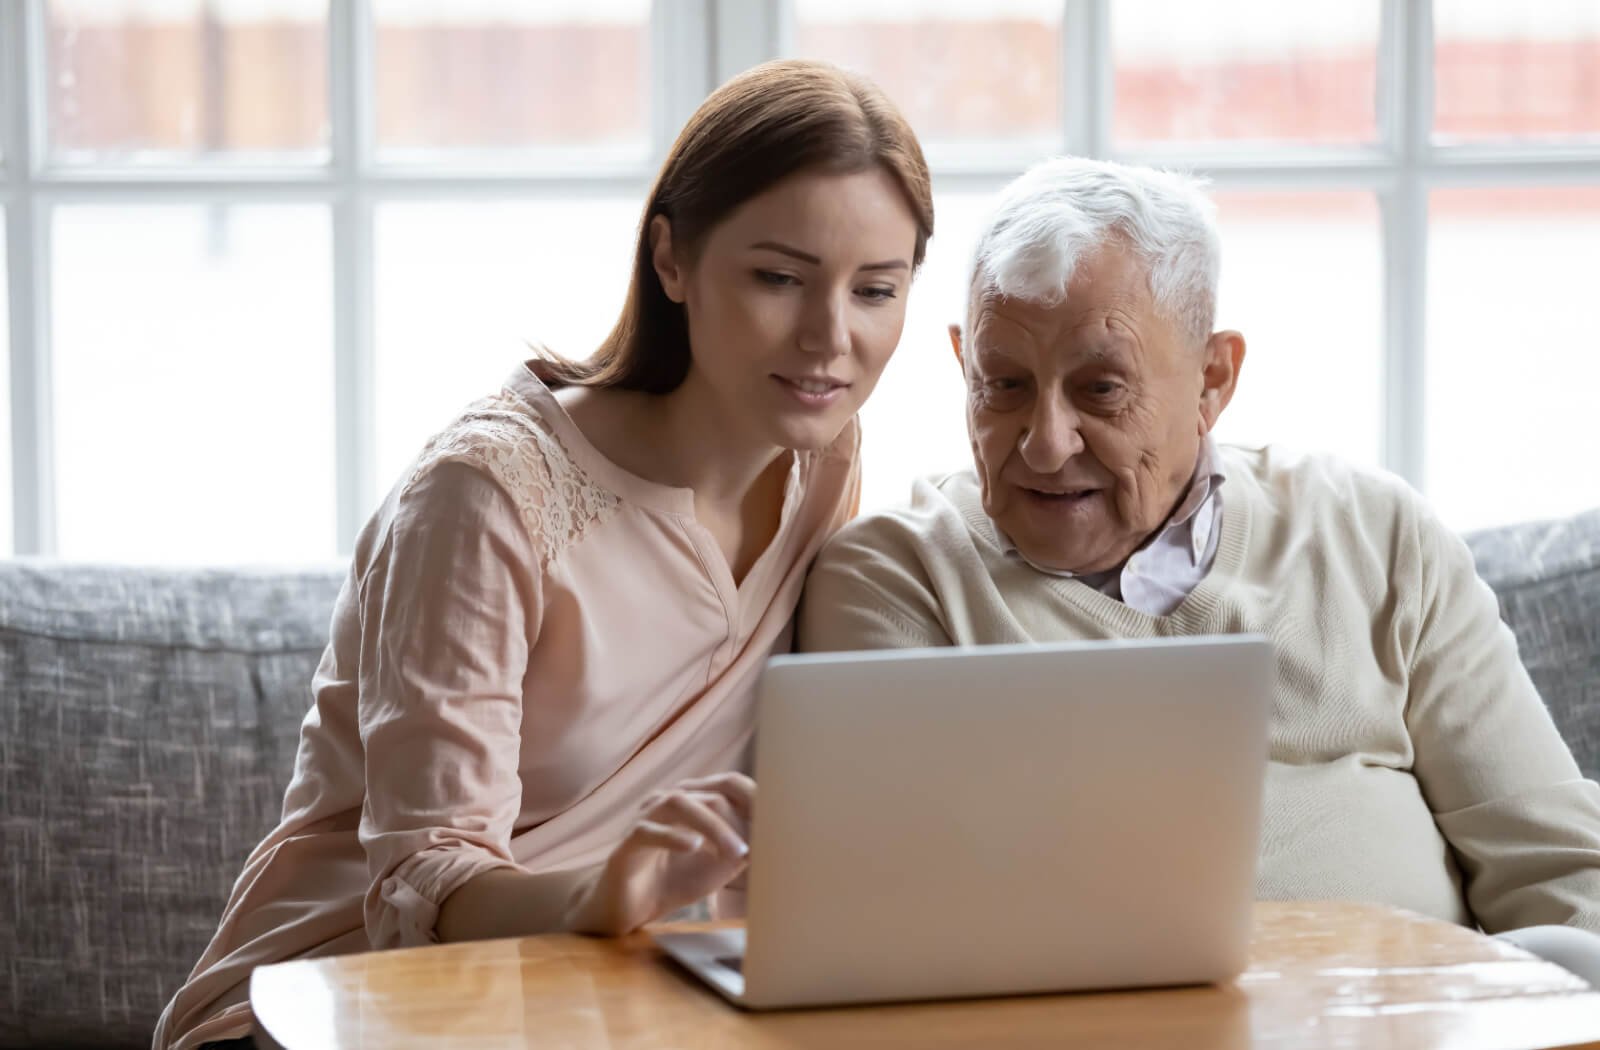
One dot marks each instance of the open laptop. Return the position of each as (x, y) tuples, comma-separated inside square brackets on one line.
[(941, 823)]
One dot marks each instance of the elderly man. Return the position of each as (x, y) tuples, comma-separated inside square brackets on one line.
[(1412, 761)]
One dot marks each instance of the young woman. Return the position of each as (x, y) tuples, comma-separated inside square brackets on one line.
[(537, 690)]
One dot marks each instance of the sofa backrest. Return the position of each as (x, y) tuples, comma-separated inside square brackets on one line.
[(1547, 576), (148, 724)]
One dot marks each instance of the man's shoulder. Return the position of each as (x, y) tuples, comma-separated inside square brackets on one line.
[(937, 513), (1350, 509), (1283, 473)]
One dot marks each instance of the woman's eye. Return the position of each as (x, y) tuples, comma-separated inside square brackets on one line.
[(878, 293), (1105, 388), (774, 277)]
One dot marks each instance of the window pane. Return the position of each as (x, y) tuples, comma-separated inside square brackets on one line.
[(1516, 71), (1513, 353), (462, 289), (508, 74), (1244, 70), (194, 383), (915, 422), (964, 73), (1302, 279), (166, 80)]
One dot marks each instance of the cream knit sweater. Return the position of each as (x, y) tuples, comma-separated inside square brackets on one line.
[(1412, 761)]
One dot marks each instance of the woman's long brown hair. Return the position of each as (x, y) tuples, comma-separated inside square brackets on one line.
[(772, 121)]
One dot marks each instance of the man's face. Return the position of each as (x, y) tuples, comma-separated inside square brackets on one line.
[(1086, 417)]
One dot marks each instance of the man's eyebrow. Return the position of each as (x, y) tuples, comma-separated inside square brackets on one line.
[(807, 257), (996, 353)]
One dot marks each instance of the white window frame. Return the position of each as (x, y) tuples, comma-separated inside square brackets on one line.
[(695, 45)]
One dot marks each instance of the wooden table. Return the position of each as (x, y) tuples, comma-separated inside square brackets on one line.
[(1324, 974)]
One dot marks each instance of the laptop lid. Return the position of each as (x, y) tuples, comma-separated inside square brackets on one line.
[(1009, 819)]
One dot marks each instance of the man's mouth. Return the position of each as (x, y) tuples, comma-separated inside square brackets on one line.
[(1060, 497)]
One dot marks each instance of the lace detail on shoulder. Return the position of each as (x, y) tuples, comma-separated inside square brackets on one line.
[(503, 436)]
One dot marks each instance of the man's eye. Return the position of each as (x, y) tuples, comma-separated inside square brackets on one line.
[(1105, 388), (1004, 393)]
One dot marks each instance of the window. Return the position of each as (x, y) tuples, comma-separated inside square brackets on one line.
[(1380, 193), (257, 252)]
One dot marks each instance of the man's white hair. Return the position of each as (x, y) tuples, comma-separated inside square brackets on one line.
[(1060, 211)]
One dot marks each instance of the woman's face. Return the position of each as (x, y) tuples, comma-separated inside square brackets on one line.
[(794, 303)]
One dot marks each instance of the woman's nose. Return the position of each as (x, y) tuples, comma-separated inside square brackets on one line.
[(825, 328)]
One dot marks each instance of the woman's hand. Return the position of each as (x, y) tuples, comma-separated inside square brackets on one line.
[(686, 843)]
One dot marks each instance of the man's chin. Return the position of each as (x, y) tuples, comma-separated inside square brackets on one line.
[(1079, 561)]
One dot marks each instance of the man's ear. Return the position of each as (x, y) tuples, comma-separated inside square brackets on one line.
[(668, 270), (955, 344), (1224, 353)]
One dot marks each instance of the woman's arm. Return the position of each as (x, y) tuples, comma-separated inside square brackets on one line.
[(510, 903), (450, 609), (449, 622), (686, 843)]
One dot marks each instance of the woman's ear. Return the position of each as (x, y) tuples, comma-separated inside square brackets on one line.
[(1224, 358), (668, 270)]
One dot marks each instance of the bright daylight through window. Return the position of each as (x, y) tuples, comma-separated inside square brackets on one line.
[(258, 251)]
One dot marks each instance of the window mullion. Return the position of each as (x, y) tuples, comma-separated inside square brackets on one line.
[(682, 49), (1085, 81), (1407, 54), (351, 108), (747, 33), (28, 278)]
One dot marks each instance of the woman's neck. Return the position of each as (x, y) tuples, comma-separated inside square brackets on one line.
[(677, 439)]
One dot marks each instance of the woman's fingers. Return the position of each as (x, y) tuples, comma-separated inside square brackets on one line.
[(738, 789), (695, 813), (665, 836)]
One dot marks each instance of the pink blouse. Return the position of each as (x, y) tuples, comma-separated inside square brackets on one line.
[(530, 640)]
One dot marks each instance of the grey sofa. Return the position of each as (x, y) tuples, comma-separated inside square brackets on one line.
[(148, 721)]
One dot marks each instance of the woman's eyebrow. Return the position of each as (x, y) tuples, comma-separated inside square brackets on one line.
[(807, 257), (784, 249)]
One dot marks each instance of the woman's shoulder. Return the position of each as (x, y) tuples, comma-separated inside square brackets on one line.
[(507, 438)]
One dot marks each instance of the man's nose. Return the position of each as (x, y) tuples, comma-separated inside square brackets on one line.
[(1052, 436), (825, 326)]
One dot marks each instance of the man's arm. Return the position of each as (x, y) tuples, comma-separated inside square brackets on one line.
[(867, 591), (1503, 786)]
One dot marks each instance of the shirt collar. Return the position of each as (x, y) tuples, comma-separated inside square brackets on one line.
[(1203, 483)]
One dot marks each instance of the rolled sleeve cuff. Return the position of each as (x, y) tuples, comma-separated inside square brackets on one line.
[(404, 908)]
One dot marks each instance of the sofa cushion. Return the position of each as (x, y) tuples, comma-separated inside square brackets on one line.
[(1547, 576), (148, 723)]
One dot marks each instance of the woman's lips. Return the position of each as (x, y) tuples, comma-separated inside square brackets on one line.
[(812, 392)]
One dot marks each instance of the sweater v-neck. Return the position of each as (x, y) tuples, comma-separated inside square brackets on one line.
[(1191, 614)]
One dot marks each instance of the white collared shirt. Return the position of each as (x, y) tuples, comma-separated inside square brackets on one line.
[(1157, 577)]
